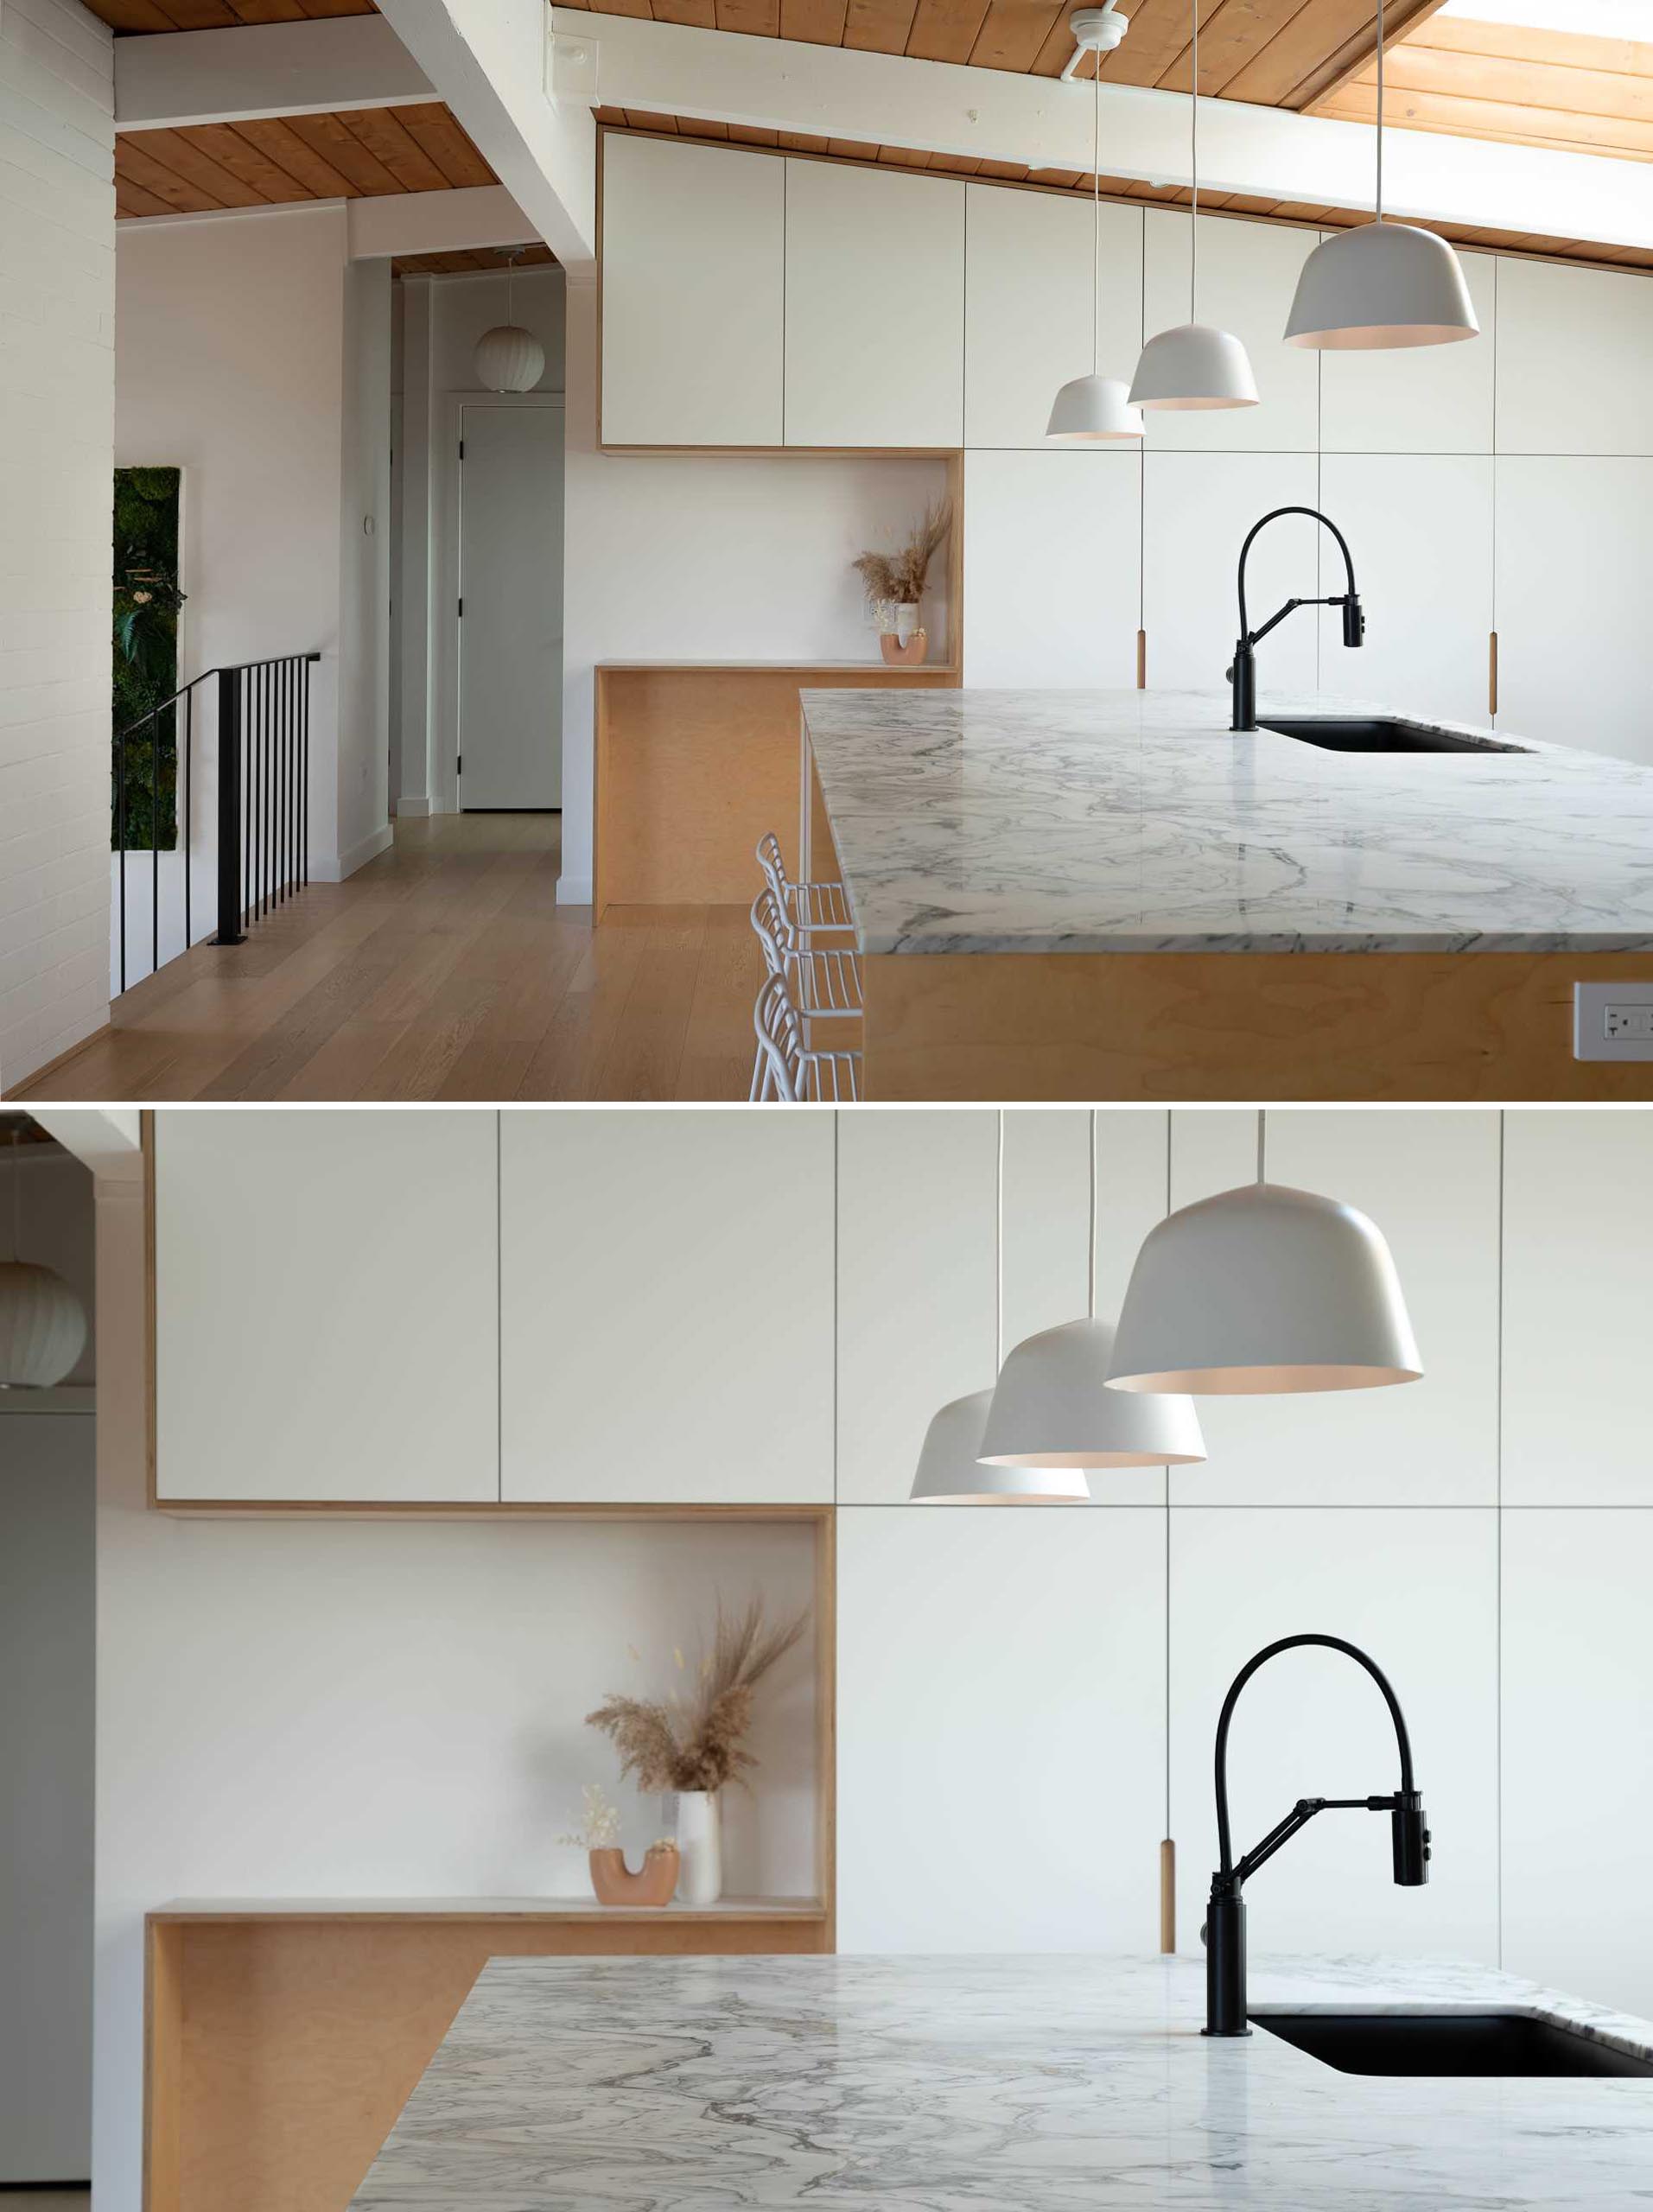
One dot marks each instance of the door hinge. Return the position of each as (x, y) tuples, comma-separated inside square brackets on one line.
[(461, 449), (461, 610), (459, 764)]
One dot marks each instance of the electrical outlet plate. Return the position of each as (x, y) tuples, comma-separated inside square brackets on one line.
[(1612, 1021)]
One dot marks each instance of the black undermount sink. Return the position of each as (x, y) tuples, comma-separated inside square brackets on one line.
[(1512, 2044), (1374, 733)]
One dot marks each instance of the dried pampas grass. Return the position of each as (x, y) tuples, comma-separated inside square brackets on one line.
[(898, 579), (702, 1746)]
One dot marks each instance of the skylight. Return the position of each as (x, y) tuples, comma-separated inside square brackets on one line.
[(1630, 19)]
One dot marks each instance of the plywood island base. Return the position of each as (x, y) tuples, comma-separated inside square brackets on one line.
[(283, 2045), (1471, 1026)]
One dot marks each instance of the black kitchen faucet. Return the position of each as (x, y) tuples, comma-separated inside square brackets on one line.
[(1244, 673)]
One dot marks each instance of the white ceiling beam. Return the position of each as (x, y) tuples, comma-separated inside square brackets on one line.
[(491, 61), (1000, 115), (436, 222), (167, 80), (107, 1140)]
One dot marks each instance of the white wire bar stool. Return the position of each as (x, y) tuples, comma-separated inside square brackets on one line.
[(812, 908), (821, 985), (793, 1073)]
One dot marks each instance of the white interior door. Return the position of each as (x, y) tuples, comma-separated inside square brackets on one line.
[(511, 607)]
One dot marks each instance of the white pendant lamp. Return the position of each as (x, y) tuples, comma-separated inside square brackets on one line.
[(509, 358), (1094, 410), (1380, 284), (42, 1322), (1194, 366), (1054, 1408), (950, 1471), (1265, 1289)]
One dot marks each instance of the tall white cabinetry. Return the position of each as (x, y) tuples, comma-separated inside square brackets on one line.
[(325, 1307), (666, 1298), (693, 293), (1248, 276), (874, 307)]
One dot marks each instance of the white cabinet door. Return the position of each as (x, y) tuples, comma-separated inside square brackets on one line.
[(1052, 546), (1000, 1729), (1197, 508), (874, 307), (326, 1314), (1248, 275), (1578, 1307), (693, 287), (1027, 295), (1574, 347), (915, 1286), (1419, 527), (1422, 399), (1575, 649), (1430, 1182), (666, 1308), (1418, 1590), (1578, 1784)]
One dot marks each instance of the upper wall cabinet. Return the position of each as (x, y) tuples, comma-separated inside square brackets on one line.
[(666, 1297), (1574, 347), (1424, 400), (325, 1307), (1578, 1307), (1027, 294), (1430, 1182), (874, 307), (693, 287), (1248, 275)]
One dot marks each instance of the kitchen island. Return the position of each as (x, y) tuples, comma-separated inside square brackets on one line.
[(1036, 2084), (1110, 895)]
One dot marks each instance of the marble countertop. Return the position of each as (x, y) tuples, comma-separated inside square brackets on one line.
[(1138, 821), (1037, 2084)]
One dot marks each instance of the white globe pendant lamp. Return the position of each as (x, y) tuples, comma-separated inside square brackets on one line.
[(42, 1322), (950, 1470), (1264, 1290), (509, 358), (1194, 366), (1380, 284), (1094, 410), (1052, 1407)]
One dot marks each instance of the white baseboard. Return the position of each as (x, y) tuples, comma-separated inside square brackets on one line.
[(573, 890), (421, 805), (331, 870)]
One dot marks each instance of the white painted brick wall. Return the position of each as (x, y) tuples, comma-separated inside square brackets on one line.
[(57, 364)]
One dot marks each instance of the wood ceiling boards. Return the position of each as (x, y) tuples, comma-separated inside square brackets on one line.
[(283, 158), (134, 15)]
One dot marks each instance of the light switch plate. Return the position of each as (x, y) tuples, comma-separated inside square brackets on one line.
[(1612, 1021)]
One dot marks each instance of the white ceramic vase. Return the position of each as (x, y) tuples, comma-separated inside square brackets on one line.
[(700, 1847)]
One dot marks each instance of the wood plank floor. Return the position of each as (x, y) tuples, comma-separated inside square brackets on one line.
[(446, 969)]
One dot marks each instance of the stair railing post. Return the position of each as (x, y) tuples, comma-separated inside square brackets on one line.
[(229, 900)]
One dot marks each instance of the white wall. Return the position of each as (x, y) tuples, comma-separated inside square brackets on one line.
[(254, 355), (46, 1501), (57, 275)]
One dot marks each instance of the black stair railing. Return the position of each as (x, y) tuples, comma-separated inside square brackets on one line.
[(262, 830)]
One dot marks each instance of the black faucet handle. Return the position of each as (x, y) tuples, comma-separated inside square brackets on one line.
[(1409, 1833), (1354, 620)]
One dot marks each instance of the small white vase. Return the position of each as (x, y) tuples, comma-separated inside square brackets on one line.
[(906, 621), (700, 1847)]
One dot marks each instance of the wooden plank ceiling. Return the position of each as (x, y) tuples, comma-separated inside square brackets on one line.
[(132, 16), (1561, 89), (1118, 188), (282, 159), (1275, 52), (464, 264)]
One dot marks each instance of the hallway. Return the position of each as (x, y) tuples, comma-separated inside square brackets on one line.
[(444, 970)]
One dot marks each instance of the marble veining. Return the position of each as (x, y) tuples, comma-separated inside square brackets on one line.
[(1138, 821), (1030, 2084)]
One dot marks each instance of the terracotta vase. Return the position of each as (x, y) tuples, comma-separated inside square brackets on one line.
[(653, 1884), (908, 655)]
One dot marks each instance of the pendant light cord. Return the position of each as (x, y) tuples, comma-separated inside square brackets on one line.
[(1193, 164), (998, 1255), (1096, 218), (1377, 216), (1090, 1270)]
